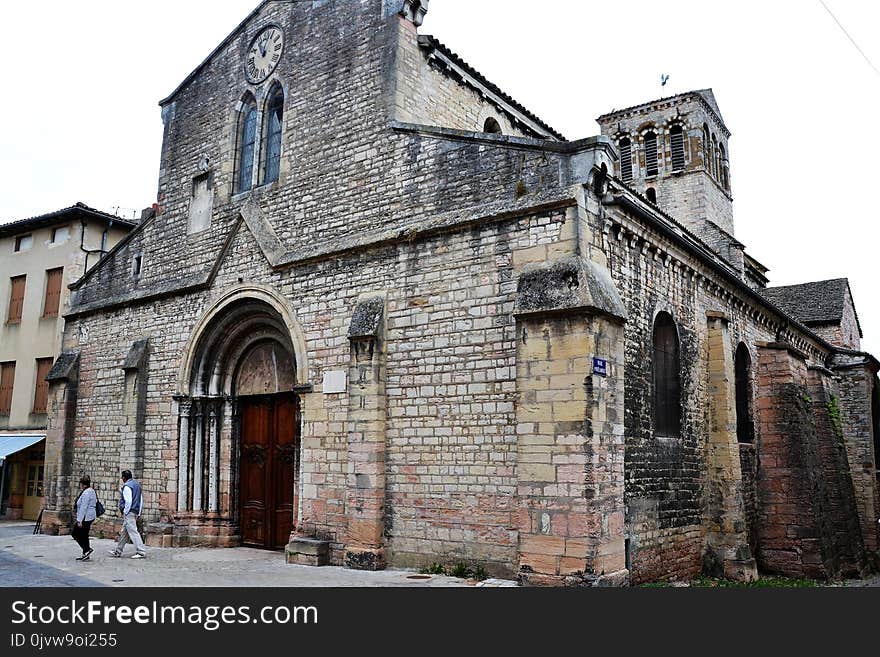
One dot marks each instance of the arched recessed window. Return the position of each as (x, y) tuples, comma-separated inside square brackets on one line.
[(274, 116), (626, 164), (492, 126), (676, 143), (745, 428), (716, 168), (247, 145), (707, 146), (725, 180), (650, 154), (651, 195), (667, 386)]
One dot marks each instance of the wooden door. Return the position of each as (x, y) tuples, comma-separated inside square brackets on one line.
[(269, 455)]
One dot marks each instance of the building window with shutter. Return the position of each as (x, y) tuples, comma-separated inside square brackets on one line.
[(53, 292), (676, 143), (667, 385), (23, 242), (274, 116), (651, 167), (247, 140), (16, 299), (60, 234), (626, 165), (41, 391), (745, 428), (7, 380)]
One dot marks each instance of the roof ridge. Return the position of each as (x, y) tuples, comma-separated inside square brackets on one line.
[(434, 41)]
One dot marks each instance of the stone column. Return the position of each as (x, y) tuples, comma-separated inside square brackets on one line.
[(184, 410), (198, 465), (857, 381), (570, 431), (839, 509), (365, 481), (63, 381), (213, 468), (790, 536), (728, 553), (134, 406)]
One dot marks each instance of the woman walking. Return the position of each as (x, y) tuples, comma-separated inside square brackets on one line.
[(85, 516)]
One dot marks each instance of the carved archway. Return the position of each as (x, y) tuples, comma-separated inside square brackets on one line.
[(247, 350)]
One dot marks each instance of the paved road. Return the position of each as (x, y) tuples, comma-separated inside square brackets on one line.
[(32, 571), (29, 560)]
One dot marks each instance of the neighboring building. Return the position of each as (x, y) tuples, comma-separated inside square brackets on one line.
[(386, 315), (39, 257)]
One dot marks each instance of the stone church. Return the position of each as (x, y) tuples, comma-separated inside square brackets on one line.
[(384, 315)]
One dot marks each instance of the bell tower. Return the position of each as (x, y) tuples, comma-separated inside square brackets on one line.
[(674, 152)]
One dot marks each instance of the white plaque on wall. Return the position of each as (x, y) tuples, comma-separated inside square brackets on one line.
[(334, 381)]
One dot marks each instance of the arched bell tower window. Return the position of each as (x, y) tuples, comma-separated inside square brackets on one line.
[(274, 122), (707, 148), (667, 385), (676, 143), (725, 179), (745, 428), (716, 166), (492, 126), (651, 153), (626, 165), (651, 195), (247, 140)]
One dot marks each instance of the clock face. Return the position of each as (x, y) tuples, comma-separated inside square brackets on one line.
[(264, 54)]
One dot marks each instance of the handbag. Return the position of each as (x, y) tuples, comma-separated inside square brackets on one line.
[(99, 508)]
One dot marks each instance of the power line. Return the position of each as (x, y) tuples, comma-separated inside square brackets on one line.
[(853, 41)]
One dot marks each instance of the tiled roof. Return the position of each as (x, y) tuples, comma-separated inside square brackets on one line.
[(820, 302), (81, 209)]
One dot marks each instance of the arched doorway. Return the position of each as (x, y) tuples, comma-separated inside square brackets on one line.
[(239, 423)]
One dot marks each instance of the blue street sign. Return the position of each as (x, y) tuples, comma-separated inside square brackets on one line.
[(600, 366)]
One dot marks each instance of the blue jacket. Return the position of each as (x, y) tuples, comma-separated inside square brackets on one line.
[(136, 497)]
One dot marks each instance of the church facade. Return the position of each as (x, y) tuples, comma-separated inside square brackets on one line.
[(386, 316)]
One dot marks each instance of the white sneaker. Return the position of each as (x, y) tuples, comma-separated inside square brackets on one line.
[(138, 555), (114, 553)]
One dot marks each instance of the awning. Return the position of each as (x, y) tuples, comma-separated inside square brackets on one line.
[(10, 443)]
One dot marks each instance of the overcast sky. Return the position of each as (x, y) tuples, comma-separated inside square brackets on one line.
[(80, 120)]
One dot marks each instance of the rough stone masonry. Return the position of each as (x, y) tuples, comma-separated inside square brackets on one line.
[(368, 328)]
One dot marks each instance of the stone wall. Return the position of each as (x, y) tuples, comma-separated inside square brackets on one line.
[(665, 476), (856, 388)]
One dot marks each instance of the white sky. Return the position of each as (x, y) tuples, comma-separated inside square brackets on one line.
[(82, 81)]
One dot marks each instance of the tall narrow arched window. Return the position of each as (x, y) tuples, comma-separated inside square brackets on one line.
[(247, 146), (667, 386), (274, 116), (626, 164), (745, 428), (707, 146), (676, 144), (651, 195), (716, 169), (725, 179), (650, 154), (492, 126)]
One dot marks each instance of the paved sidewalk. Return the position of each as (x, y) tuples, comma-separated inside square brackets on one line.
[(28, 560)]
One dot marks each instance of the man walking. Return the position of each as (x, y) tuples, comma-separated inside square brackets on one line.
[(130, 504)]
